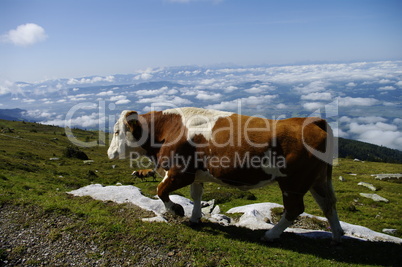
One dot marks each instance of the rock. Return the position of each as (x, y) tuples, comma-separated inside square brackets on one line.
[(390, 231), (53, 159), (357, 160), (369, 186), (221, 219), (118, 184), (374, 197), (388, 176), (342, 179), (88, 161), (216, 210), (207, 206)]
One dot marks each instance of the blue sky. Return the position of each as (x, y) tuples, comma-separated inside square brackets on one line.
[(78, 38)]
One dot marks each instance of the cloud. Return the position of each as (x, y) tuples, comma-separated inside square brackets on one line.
[(26, 100), (90, 120), (25, 35), (397, 121), (351, 84), (399, 84), (7, 87), (106, 93), (378, 133), (356, 101), (145, 75), (208, 96), (362, 128), (259, 89), (96, 79), (174, 100), (312, 87), (39, 114), (317, 96), (386, 88), (371, 119), (253, 102), (382, 81), (281, 106), (122, 101), (312, 105), (162, 90)]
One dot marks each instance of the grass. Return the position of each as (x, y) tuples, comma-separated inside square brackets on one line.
[(30, 180)]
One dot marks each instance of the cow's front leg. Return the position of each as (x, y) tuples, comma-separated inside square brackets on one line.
[(196, 194), (173, 180), (294, 206)]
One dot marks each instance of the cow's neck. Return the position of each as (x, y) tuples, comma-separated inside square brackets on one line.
[(163, 129)]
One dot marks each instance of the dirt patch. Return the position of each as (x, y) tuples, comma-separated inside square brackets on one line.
[(30, 237)]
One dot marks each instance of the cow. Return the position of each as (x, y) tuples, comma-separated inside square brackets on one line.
[(193, 146), (142, 174)]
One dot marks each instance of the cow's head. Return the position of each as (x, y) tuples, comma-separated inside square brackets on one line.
[(124, 142)]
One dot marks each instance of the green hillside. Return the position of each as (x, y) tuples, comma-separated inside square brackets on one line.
[(365, 151), (40, 223)]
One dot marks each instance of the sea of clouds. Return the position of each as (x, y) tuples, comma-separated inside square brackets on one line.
[(364, 97)]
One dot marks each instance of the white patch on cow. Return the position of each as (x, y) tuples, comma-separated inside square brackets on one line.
[(278, 229), (164, 178), (198, 120), (196, 193)]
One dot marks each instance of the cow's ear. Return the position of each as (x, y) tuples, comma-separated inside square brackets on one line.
[(131, 120)]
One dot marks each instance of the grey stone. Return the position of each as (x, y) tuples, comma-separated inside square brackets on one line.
[(374, 197), (369, 186), (388, 176)]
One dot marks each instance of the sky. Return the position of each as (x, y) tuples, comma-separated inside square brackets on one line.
[(42, 39)]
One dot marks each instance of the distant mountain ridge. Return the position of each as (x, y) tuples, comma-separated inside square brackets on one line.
[(15, 114), (348, 148)]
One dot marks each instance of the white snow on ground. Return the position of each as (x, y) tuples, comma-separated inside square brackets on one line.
[(254, 216)]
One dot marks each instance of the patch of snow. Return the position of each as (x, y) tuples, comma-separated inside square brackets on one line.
[(255, 216)]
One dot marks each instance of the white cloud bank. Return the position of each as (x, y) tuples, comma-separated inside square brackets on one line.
[(96, 79), (374, 130), (25, 35)]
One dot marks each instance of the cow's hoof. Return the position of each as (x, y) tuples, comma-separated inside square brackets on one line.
[(268, 240), (178, 210)]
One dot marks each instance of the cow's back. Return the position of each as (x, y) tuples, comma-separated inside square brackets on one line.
[(239, 147)]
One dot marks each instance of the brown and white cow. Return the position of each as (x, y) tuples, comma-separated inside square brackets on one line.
[(194, 146)]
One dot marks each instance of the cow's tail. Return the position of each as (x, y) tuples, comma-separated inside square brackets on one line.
[(322, 190)]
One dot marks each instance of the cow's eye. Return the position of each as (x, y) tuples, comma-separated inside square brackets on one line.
[(116, 133)]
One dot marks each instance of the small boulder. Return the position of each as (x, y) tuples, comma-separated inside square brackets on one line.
[(388, 176), (369, 186), (374, 197), (342, 179)]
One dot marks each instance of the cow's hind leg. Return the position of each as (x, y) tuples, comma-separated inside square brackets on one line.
[(294, 206), (324, 195), (196, 194), (173, 181)]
